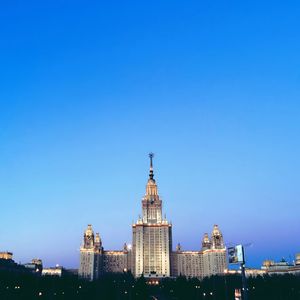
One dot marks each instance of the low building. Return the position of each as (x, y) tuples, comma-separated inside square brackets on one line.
[(6, 255), (281, 267), (54, 271), (271, 265), (8, 264), (36, 265)]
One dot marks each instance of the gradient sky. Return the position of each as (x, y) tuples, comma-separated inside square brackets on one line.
[(89, 88)]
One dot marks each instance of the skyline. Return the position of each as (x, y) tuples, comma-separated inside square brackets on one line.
[(89, 89), (191, 242)]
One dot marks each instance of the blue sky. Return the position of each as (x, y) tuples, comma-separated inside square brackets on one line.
[(88, 89)]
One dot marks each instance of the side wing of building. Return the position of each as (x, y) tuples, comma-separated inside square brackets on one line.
[(187, 263)]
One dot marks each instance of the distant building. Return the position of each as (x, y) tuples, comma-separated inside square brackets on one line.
[(281, 267), (36, 265), (271, 265), (151, 254), (8, 264), (54, 271), (6, 255)]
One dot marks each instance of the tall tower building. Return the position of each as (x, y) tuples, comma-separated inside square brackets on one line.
[(151, 253), (152, 235), (87, 255)]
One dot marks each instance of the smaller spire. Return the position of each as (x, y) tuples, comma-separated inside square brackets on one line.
[(151, 174), (151, 188), (206, 243), (89, 230), (97, 238), (217, 238)]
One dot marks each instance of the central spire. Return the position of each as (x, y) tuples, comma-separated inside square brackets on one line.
[(151, 188), (151, 174), (151, 202)]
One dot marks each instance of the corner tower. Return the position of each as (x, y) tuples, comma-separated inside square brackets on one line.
[(152, 235), (87, 255)]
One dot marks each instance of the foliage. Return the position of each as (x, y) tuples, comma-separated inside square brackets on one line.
[(21, 285)]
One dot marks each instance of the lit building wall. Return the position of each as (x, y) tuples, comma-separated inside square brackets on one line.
[(87, 264), (210, 260), (151, 253), (115, 262), (57, 271), (214, 261), (6, 255), (152, 249), (187, 263), (152, 235)]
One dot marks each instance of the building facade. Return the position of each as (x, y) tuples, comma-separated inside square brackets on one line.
[(55, 271), (210, 260), (152, 235), (151, 253), (6, 255)]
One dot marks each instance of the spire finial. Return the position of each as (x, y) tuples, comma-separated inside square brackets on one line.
[(151, 155)]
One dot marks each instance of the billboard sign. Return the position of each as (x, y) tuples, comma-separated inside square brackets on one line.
[(236, 255)]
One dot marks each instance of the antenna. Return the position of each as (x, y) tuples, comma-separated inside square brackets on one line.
[(151, 155)]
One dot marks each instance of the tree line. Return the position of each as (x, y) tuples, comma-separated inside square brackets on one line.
[(22, 285)]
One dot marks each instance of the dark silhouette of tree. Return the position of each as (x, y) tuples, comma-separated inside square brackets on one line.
[(19, 284)]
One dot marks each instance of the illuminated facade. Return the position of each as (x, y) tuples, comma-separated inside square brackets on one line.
[(56, 271), (6, 255), (90, 255), (214, 253), (151, 254), (210, 260), (94, 261), (152, 235), (282, 267)]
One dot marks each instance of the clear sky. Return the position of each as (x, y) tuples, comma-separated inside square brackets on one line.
[(88, 88)]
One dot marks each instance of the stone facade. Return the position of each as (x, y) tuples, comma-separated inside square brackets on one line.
[(151, 254), (152, 235), (210, 260)]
